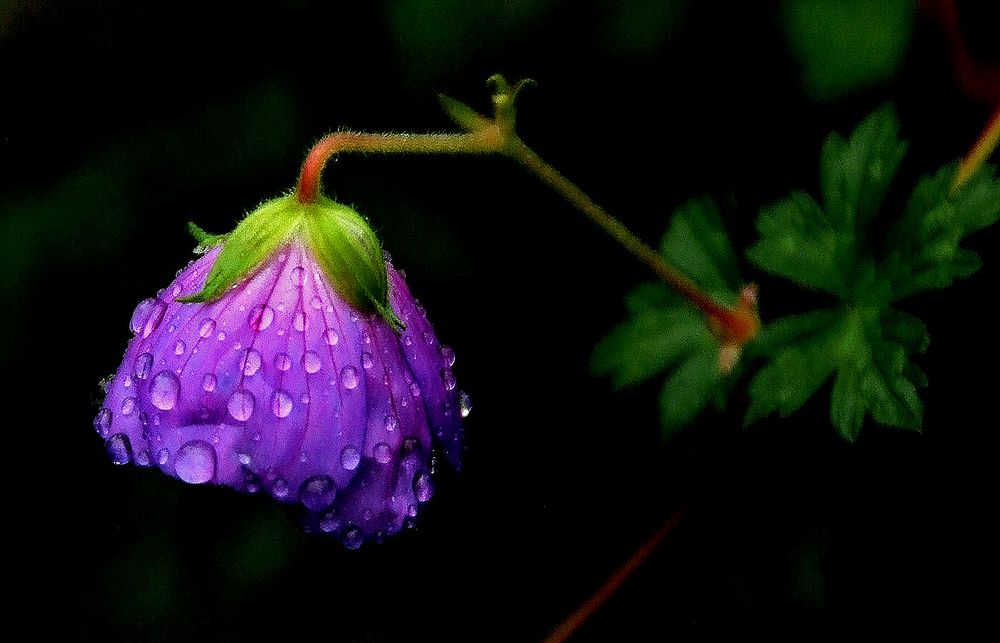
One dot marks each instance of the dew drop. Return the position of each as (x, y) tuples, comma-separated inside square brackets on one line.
[(328, 524), (311, 362), (281, 404), (180, 347), (251, 363), (414, 389), (241, 404), (353, 537), (407, 340), (382, 453), (464, 404), (423, 487), (102, 422), (298, 275), (448, 378), (221, 336), (350, 458), (349, 377), (128, 405), (164, 389), (316, 302), (448, 355), (279, 489), (162, 457), (261, 317), (143, 365), (367, 361), (147, 316), (331, 337), (317, 492), (119, 448), (209, 382), (195, 462), (207, 328), (142, 458), (282, 362), (300, 321), (411, 511), (391, 422)]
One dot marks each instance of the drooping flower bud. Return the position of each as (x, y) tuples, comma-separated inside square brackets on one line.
[(291, 358)]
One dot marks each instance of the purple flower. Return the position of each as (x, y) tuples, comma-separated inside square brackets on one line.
[(277, 382)]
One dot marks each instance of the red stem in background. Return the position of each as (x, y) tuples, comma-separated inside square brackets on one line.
[(564, 630)]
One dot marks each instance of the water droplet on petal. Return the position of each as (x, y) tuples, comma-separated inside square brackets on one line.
[(261, 317), (367, 361), (195, 462), (423, 487), (241, 405), (207, 328), (464, 404), (180, 347), (391, 422), (350, 458), (311, 362), (251, 363), (164, 389), (281, 404), (119, 448), (353, 537), (298, 275), (142, 458), (414, 389), (279, 489), (300, 321), (331, 337), (147, 316), (411, 511), (209, 382), (317, 492), (102, 422), (282, 362), (316, 302), (162, 457), (407, 340), (448, 355), (349, 377), (143, 365), (128, 405), (448, 378), (382, 453)]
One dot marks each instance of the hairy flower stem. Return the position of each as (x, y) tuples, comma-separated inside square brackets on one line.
[(733, 325)]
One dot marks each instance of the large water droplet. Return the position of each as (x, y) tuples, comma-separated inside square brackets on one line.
[(349, 377), (367, 361), (464, 404), (311, 362), (147, 316), (143, 365), (119, 448), (300, 321), (251, 363), (207, 328), (423, 487), (179, 347), (164, 389), (331, 337), (382, 453), (209, 382), (282, 362), (353, 537), (261, 317), (317, 492), (279, 489), (350, 458), (448, 355), (128, 405), (298, 275), (281, 404), (241, 404), (448, 378), (102, 422), (195, 462)]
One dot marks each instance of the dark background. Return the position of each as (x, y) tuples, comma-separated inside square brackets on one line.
[(119, 122)]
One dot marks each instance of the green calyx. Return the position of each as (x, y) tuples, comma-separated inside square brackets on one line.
[(339, 239)]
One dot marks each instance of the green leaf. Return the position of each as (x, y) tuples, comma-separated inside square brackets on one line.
[(926, 252), (799, 243), (696, 244), (651, 340), (688, 390)]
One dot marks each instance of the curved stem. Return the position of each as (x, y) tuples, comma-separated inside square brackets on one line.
[(564, 630)]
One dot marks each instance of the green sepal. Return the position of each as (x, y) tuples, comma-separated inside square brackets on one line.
[(340, 240), (205, 240)]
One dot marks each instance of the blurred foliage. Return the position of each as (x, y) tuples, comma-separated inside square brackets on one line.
[(846, 45), (861, 340)]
